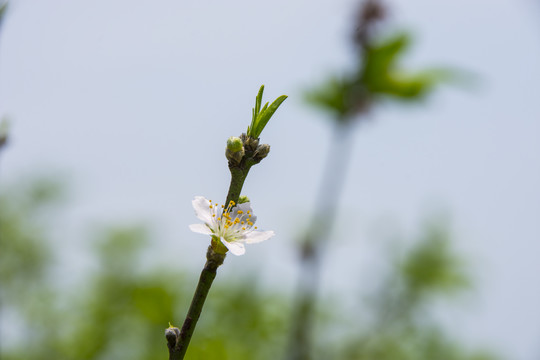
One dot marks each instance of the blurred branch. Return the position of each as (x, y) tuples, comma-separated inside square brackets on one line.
[(3, 133), (345, 99), (349, 98), (313, 245), (4, 123), (3, 9), (4, 129)]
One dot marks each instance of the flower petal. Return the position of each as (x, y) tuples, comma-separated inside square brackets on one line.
[(245, 207), (246, 216), (202, 209), (237, 248), (257, 236), (201, 229)]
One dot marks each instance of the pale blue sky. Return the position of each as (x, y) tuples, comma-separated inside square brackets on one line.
[(134, 101)]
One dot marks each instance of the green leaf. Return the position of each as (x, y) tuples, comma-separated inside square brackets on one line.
[(258, 102), (266, 114), (330, 96), (260, 117), (379, 63)]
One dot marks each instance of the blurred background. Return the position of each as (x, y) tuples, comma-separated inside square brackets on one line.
[(119, 113)]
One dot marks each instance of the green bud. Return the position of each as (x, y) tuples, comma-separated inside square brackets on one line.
[(235, 150), (243, 199), (234, 144), (234, 157)]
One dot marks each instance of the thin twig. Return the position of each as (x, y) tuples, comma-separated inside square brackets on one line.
[(178, 350), (178, 340)]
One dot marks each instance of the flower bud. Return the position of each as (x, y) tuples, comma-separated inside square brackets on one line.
[(262, 151), (234, 144), (243, 199), (235, 150), (172, 334)]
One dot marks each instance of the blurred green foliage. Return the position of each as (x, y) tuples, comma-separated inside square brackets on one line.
[(402, 324), (120, 309), (377, 76), (24, 250)]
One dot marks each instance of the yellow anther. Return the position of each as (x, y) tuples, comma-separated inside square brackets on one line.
[(222, 206), (240, 212), (210, 206), (219, 219), (242, 223), (213, 215), (255, 228), (243, 228)]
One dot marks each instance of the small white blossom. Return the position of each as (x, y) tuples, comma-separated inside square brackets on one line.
[(233, 225)]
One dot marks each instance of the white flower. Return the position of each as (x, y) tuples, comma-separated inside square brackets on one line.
[(233, 225)]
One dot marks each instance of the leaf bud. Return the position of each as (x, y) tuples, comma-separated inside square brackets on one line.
[(262, 151), (172, 334), (243, 199), (251, 143)]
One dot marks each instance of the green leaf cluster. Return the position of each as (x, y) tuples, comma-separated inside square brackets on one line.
[(381, 75), (260, 117), (378, 75)]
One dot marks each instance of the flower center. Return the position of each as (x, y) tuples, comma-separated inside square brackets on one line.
[(230, 222)]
